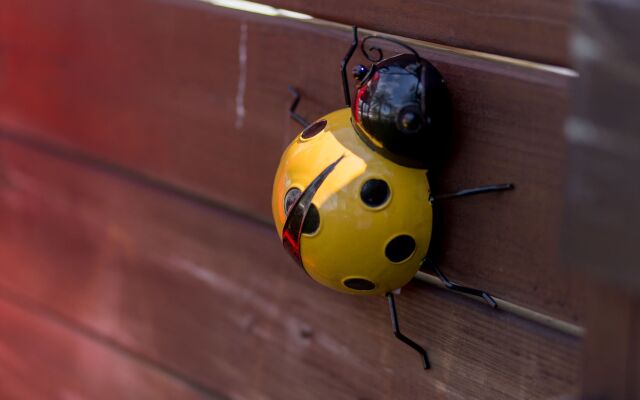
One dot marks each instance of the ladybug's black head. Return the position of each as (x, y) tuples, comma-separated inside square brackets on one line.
[(402, 110)]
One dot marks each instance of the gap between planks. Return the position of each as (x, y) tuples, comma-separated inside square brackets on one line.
[(522, 312), (280, 13), (136, 177)]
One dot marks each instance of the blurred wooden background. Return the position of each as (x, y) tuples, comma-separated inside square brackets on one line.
[(138, 143)]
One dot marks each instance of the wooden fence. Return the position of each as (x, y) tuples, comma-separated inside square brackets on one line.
[(138, 144)]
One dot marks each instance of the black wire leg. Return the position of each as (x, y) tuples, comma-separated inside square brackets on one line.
[(471, 192), (343, 67), (403, 338), (292, 110), (458, 288)]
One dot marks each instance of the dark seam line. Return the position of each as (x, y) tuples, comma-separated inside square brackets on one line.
[(128, 174)]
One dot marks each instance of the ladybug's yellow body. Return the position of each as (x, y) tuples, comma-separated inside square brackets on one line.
[(359, 242), (351, 200)]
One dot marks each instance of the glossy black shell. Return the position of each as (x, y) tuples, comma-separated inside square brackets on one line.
[(402, 111)]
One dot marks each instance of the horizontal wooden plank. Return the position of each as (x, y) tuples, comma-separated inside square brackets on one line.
[(212, 296), (164, 88), (531, 30), (41, 358)]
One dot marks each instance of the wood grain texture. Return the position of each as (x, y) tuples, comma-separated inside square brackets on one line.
[(41, 358), (212, 296), (531, 30), (159, 88)]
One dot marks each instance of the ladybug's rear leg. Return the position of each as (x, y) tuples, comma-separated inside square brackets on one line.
[(459, 288), (403, 338), (451, 285)]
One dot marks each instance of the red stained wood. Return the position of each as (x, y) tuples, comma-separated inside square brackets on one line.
[(532, 30), (157, 87), (41, 358), (212, 296)]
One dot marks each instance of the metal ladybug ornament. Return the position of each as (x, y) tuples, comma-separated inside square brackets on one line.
[(351, 198)]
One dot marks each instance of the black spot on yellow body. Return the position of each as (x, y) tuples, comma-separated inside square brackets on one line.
[(400, 248)]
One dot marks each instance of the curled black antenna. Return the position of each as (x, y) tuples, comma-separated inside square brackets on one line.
[(376, 58), (380, 55), (343, 67)]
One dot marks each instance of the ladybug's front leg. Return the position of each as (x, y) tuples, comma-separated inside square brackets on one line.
[(292, 109)]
